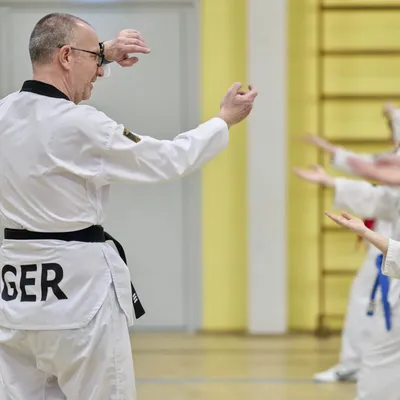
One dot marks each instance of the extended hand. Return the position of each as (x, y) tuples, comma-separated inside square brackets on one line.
[(349, 222), (128, 41), (320, 142), (387, 110), (316, 175), (237, 104)]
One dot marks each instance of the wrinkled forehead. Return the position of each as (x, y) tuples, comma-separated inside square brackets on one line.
[(86, 37)]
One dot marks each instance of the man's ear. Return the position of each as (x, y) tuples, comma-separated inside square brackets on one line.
[(65, 57)]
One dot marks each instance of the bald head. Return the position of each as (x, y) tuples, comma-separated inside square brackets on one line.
[(51, 32)]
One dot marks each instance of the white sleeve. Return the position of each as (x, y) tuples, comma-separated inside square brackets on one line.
[(391, 263), (341, 156), (366, 200), (130, 157)]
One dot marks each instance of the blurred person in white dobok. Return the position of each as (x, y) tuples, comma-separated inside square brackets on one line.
[(356, 332)]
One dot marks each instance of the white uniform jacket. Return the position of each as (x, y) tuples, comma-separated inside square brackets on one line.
[(370, 201), (57, 162), (340, 162)]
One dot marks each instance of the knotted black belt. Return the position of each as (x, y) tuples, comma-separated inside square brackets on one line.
[(93, 234)]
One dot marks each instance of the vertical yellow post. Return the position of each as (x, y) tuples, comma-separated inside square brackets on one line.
[(224, 61), (303, 198)]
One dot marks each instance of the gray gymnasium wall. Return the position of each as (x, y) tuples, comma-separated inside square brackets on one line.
[(159, 225)]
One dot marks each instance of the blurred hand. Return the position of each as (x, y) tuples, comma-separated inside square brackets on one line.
[(349, 222), (237, 104), (388, 109), (319, 142), (128, 41), (315, 175)]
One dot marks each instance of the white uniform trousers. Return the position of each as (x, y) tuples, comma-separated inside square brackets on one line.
[(91, 363), (379, 377), (357, 330), (3, 395)]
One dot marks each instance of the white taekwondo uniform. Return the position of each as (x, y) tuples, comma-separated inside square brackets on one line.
[(379, 374), (66, 301), (356, 333)]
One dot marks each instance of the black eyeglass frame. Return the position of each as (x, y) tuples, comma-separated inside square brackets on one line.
[(101, 61)]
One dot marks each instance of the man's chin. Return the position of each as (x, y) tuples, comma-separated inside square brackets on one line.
[(88, 94)]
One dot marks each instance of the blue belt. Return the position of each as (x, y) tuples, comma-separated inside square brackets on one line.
[(384, 282)]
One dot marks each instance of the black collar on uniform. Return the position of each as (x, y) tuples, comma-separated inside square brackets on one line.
[(44, 89)]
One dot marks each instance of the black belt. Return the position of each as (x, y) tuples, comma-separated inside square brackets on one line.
[(93, 234)]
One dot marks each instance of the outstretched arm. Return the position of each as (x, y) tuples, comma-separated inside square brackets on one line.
[(386, 169), (340, 160), (359, 197), (112, 153), (339, 156), (390, 248), (367, 200), (356, 225)]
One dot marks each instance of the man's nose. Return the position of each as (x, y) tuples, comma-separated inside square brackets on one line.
[(100, 71)]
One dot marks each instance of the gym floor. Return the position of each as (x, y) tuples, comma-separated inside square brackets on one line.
[(182, 367)]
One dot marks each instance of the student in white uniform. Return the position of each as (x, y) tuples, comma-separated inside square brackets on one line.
[(378, 376), (356, 332), (382, 361), (66, 298)]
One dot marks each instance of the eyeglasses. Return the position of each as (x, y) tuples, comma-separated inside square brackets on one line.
[(100, 54)]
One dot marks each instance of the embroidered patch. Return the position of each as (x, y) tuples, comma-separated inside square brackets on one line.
[(131, 136)]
